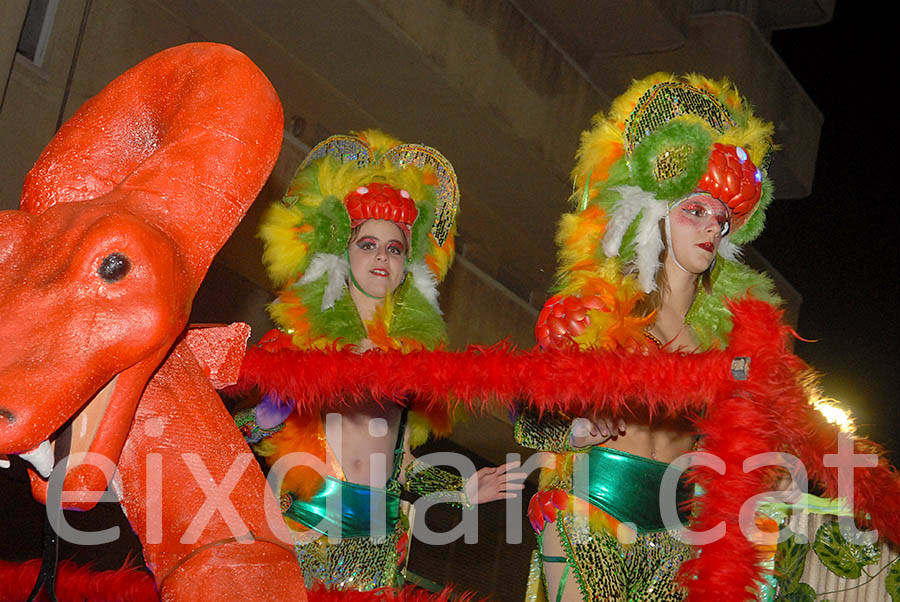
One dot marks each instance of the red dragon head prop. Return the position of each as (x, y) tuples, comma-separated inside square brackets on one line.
[(120, 218)]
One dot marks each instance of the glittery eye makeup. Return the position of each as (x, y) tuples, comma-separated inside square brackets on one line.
[(368, 243), (697, 211)]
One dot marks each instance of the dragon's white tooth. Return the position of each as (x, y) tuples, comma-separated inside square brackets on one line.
[(4, 461), (41, 457)]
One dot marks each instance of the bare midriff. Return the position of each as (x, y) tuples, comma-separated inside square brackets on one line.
[(367, 459), (663, 439), (660, 438)]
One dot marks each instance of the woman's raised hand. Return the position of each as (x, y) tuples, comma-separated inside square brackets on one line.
[(594, 431), (495, 483)]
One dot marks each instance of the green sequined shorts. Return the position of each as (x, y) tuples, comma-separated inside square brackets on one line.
[(358, 563), (608, 571)]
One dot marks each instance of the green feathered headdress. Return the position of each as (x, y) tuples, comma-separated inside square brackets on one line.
[(654, 147), (664, 139), (307, 232)]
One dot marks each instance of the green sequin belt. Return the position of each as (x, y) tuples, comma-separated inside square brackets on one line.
[(353, 510), (626, 487)]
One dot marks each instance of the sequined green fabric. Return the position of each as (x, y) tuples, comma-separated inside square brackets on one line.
[(536, 588), (671, 162), (668, 100), (424, 479), (360, 563), (608, 571), (549, 432)]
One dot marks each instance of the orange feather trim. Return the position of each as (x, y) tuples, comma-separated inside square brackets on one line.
[(300, 434), (439, 258), (378, 329), (579, 237)]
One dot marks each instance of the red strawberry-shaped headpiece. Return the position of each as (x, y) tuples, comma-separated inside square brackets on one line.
[(732, 178), (378, 200)]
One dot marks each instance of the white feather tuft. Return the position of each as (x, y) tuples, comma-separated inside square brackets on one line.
[(337, 269), (425, 283), (632, 200), (648, 244), (730, 251)]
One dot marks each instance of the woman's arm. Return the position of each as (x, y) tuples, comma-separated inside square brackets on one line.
[(486, 485), (557, 432)]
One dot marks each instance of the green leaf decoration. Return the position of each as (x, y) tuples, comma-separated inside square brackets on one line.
[(803, 593), (892, 581), (790, 560), (840, 556)]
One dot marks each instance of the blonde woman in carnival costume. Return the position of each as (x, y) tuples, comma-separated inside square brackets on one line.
[(358, 245), (667, 184)]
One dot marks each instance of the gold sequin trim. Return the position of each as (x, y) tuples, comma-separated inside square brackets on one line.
[(423, 479), (672, 162), (549, 432), (447, 190), (643, 571), (666, 101), (344, 148)]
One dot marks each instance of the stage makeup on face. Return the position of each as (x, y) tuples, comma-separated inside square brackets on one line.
[(697, 225), (377, 257), (699, 209)]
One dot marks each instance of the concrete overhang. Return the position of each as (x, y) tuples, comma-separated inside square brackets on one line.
[(502, 91)]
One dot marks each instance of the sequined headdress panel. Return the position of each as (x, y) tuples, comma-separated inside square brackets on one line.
[(669, 100)]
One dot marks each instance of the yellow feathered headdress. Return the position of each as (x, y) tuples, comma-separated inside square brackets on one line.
[(664, 139), (306, 236), (658, 144)]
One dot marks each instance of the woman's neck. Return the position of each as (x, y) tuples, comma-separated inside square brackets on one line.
[(678, 301), (366, 306), (669, 326), (675, 301), (679, 294)]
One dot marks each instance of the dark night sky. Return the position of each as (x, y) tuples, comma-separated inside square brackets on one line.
[(839, 245)]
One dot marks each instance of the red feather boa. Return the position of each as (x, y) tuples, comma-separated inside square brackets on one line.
[(78, 583), (407, 594), (769, 411), (81, 584)]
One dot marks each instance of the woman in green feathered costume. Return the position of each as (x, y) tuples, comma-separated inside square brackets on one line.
[(666, 185), (357, 245)]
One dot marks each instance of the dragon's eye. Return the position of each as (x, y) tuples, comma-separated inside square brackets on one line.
[(114, 267)]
